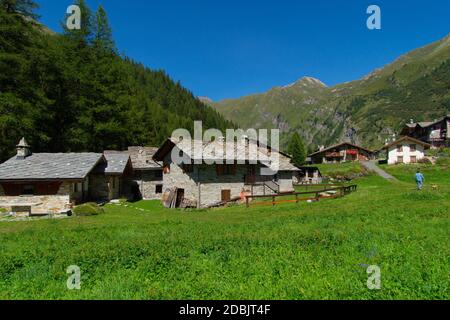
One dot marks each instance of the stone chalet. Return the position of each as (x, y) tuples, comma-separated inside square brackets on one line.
[(43, 183), (215, 176), (343, 152)]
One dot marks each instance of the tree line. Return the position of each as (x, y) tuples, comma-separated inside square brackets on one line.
[(73, 92)]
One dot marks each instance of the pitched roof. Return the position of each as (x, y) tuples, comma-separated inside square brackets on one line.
[(425, 124), (50, 166), (212, 151), (406, 138), (142, 158), (116, 163), (338, 145)]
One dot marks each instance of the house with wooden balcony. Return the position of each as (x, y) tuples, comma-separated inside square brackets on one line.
[(204, 174), (435, 133), (343, 152)]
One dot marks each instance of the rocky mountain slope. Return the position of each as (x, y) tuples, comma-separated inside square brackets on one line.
[(367, 111)]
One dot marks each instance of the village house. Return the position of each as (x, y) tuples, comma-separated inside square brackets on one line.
[(43, 183), (212, 177), (436, 133), (343, 152), (147, 180), (110, 179), (405, 150)]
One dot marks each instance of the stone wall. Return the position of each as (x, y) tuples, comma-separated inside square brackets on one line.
[(99, 187), (42, 204), (146, 181), (285, 179)]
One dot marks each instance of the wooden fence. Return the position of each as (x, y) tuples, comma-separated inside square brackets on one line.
[(335, 192)]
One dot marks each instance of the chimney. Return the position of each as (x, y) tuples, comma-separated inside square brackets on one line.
[(23, 149)]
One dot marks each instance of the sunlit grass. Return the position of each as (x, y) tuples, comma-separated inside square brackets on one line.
[(290, 251)]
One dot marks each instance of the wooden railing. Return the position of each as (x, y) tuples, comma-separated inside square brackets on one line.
[(340, 191)]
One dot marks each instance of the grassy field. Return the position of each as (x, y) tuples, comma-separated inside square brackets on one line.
[(292, 251)]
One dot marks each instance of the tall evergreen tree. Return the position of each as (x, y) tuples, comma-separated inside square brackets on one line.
[(297, 150), (103, 38)]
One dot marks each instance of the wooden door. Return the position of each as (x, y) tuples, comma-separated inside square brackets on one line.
[(226, 195), (180, 197)]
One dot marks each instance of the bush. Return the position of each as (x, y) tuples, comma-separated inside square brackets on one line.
[(88, 209)]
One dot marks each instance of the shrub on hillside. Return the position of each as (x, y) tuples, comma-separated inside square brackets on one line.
[(88, 209)]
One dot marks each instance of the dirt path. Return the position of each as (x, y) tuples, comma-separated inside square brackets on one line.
[(372, 166)]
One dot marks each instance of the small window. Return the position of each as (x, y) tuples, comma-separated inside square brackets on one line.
[(28, 190), (412, 147), (159, 189), (413, 159), (399, 148), (399, 159)]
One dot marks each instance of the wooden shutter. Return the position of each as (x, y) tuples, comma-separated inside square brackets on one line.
[(219, 169)]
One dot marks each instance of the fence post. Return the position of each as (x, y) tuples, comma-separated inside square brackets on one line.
[(273, 201), (296, 198), (247, 203)]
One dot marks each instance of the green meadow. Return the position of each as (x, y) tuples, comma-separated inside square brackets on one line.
[(315, 250)]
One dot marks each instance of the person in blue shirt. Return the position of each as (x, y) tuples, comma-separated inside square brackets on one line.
[(419, 180)]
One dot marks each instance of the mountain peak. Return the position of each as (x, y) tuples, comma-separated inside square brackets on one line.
[(307, 82), (205, 100)]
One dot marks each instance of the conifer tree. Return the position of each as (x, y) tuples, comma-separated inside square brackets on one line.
[(103, 38), (297, 150)]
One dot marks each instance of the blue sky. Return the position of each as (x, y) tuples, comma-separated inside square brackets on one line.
[(230, 48)]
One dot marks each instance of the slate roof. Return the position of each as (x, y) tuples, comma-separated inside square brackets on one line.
[(142, 158), (116, 163), (50, 166), (217, 150)]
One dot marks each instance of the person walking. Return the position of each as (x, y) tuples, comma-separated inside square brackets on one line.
[(419, 180)]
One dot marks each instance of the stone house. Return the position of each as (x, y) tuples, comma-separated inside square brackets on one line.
[(43, 183), (208, 178), (343, 152), (110, 179), (406, 150), (147, 179)]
